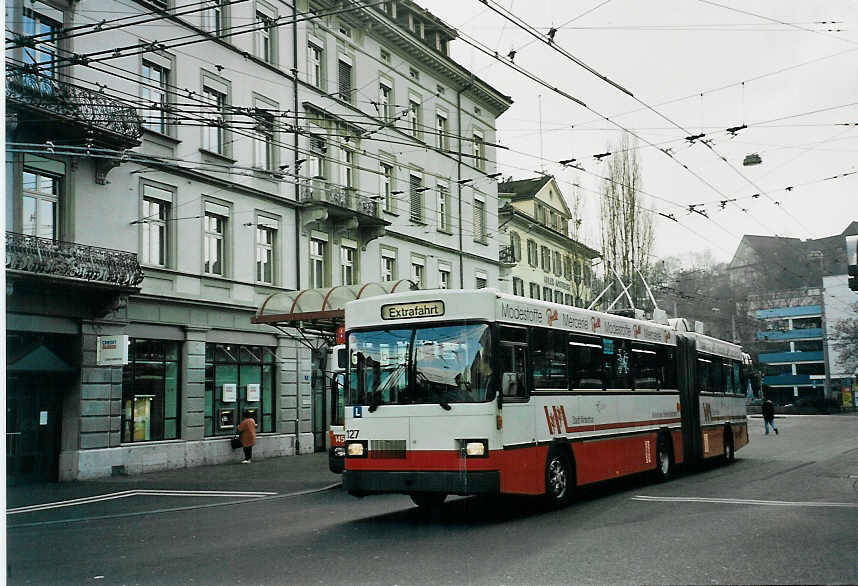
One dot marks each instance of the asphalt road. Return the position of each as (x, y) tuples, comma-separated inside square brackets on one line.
[(785, 512)]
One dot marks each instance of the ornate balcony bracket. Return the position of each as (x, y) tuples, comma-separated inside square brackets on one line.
[(67, 260), (312, 216), (103, 167)]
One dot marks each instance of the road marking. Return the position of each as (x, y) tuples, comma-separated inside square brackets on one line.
[(129, 493), (694, 499)]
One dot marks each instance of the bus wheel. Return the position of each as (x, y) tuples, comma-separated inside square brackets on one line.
[(428, 500), (559, 479), (663, 463), (729, 452)]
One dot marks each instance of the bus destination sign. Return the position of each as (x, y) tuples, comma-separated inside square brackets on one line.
[(411, 310)]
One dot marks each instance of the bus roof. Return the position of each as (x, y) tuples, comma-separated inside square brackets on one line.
[(442, 305)]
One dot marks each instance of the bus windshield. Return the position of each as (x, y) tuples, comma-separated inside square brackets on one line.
[(447, 364)]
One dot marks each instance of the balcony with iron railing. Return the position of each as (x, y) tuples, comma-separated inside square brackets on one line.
[(506, 255), (32, 256), (78, 112), (341, 202)]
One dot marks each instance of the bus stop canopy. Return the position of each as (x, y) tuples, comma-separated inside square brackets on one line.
[(320, 310)]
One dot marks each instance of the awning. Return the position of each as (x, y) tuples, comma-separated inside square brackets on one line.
[(320, 310)]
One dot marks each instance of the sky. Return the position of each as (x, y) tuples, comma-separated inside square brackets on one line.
[(787, 70)]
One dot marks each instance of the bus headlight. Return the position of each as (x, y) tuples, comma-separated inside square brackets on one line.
[(475, 448), (356, 449)]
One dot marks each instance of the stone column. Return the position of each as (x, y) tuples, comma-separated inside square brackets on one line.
[(100, 391), (287, 386), (193, 383)]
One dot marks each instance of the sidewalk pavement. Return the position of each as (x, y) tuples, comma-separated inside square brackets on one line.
[(283, 475)]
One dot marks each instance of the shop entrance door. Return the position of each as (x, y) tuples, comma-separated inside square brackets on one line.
[(33, 415)]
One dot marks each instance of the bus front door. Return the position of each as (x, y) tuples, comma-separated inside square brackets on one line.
[(518, 424)]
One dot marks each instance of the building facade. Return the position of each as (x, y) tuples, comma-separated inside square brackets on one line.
[(789, 280), (541, 260), (158, 191)]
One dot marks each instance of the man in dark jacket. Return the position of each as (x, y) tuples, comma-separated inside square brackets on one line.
[(769, 416)]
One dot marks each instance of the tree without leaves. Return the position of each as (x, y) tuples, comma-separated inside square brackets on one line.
[(844, 340), (627, 226)]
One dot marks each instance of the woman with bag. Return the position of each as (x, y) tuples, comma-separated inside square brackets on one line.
[(247, 430)]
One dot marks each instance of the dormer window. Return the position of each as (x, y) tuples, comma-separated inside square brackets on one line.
[(345, 31), (411, 22)]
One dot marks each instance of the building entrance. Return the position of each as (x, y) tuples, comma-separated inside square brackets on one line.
[(33, 415)]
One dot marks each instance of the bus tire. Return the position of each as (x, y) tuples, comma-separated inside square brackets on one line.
[(663, 458), (428, 501), (559, 478), (729, 451)]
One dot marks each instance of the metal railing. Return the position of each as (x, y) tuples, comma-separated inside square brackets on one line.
[(55, 258), (318, 190), (66, 100)]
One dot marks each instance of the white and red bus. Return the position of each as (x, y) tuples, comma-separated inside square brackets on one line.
[(480, 392)]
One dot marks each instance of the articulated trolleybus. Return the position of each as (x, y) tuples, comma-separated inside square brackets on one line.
[(480, 392)]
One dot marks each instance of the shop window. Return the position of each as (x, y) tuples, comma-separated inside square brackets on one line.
[(238, 379), (150, 391)]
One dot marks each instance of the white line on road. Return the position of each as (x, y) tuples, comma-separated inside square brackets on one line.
[(694, 499), (129, 493)]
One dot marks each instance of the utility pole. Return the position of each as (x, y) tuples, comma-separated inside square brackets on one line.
[(826, 388)]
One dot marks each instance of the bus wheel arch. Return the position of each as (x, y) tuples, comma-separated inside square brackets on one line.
[(560, 477), (664, 459)]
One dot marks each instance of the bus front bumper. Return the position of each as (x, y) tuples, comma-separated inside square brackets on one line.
[(364, 482)]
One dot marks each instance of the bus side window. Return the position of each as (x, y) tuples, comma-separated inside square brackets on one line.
[(585, 362), (667, 367)]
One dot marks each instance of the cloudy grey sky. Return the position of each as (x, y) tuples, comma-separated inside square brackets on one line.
[(800, 88)]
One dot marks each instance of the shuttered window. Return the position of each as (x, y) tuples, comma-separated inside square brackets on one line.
[(345, 78), (416, 197), (479, 221)]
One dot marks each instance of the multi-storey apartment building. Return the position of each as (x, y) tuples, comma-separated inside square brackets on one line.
[(541, 260), (168, 172), (791, 282)]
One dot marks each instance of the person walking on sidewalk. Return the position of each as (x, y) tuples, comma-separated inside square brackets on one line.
[(247, 429), (769, 416)]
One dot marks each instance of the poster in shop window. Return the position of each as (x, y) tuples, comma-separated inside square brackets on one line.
[(228, 393), (252, 393)]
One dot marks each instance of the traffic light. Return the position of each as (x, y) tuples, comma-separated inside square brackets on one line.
[(852, 261)]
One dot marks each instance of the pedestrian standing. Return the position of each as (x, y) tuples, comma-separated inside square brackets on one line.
[(769, 416), (247, 429)]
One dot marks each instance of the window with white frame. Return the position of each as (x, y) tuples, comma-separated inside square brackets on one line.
[(479, 150), (265, 32), (347, 264), (344, 78), (314, 65), (386, 177), (414, 116), (534, 290), (415, 186), (481, 280), (46, 22), (42, 183), (317, 262), (546, 259), (480, 232), (155, 225), (153, 92), (318, 149), (418, 271), (517, 286), (214, 259), (263, 142), (441, 127), (532, 253), (213, 15), (266, 234), (214, 136), (388, 264), (444, 272), (385, 100), (347, 168), (515, 240), (443, 207), (558, 263), (546, 294)]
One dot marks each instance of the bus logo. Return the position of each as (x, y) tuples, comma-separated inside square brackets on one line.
[(596, 323), (555, 416), (410, 310), (551, 316)]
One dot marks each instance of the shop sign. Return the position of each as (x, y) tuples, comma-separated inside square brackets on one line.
[(111, 350), (228, 393), (252, 392)]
